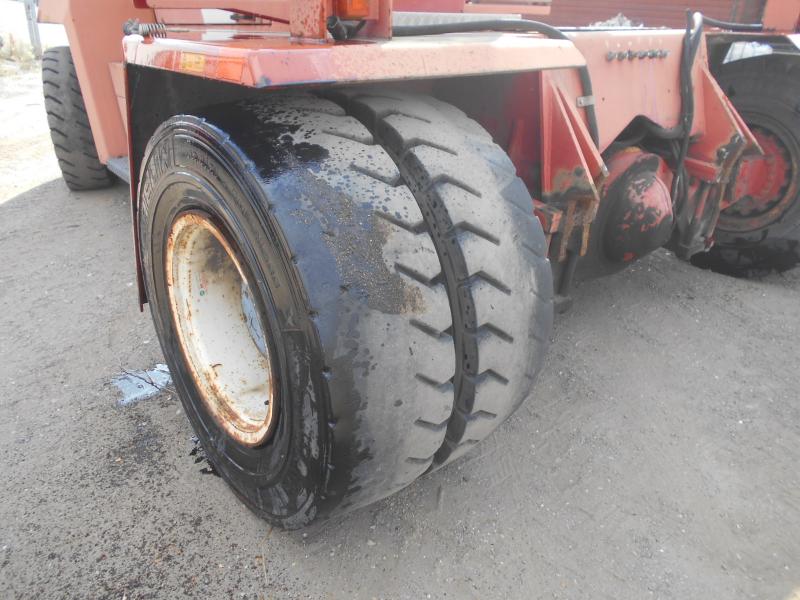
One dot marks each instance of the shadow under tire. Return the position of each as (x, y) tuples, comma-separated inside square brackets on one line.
[(754, 238), (69, 124)]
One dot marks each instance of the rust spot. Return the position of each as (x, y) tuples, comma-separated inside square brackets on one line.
[(199, 253)]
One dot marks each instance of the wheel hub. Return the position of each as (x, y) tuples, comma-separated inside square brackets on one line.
[(219, 328), (764, 186)]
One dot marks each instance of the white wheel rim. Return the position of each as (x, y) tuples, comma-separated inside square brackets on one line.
[(219, 330)]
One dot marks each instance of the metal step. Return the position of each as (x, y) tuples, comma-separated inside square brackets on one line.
[(119, 167)]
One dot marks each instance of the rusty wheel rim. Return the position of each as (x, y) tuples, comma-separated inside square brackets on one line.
[(766, 186), (219, 329)]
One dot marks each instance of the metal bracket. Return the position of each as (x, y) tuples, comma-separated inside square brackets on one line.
[(584, 101)]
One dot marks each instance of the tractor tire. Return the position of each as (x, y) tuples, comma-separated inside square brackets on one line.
[(394, 330), (69, 124), (761, 233)]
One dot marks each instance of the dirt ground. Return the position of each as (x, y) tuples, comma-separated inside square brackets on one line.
[(657, 458)]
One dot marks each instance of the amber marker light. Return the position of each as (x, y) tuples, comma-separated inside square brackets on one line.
[(353, 9)]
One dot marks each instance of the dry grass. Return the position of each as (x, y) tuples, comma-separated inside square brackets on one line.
[(16, 55)]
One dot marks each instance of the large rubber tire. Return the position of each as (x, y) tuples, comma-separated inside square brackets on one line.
[(69, 124), (378, 379), (491, 247), (766, 93)]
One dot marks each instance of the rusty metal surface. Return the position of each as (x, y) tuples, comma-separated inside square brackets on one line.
[(307, 18), (724, 136), (223, 343), (696, 218), (639, 218), (711, 161), (764, 186), (571, 168)]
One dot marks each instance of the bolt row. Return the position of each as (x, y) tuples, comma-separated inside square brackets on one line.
[(631, 54)]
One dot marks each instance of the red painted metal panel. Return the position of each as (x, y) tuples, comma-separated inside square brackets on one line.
[(783, 15), (652, 13), (307, 18), (274, 61), (93, 48), (634, 86)]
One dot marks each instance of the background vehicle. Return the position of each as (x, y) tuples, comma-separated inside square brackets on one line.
[(352, 223)]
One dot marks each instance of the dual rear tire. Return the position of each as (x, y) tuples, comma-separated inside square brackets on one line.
[(760, 232), (392, 279)]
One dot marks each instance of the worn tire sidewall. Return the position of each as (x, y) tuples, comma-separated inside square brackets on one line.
[(189, 165)]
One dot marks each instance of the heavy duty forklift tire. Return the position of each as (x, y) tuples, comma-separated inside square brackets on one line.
[(350, 285), (69, 124), (491, 246), (754, 238)]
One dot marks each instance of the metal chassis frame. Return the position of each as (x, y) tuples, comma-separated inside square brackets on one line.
[(546, 113)]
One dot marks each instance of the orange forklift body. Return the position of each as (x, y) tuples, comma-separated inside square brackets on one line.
[(355, 284), (540, 114)]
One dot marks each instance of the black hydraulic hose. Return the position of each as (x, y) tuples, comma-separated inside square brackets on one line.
[(591, 114), (691, 44), (518, 26), (728, 25), (606, 28), (752, 27), (343, 30)]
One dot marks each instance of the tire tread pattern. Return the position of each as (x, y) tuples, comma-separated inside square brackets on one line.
[(763, 85), (69, 124), (359, 167), (490, 243)]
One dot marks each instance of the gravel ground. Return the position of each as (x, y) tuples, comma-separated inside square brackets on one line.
[(658, 457)]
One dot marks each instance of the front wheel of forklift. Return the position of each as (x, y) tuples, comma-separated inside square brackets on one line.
[(233, 323), (339, 315), (310, 353)]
